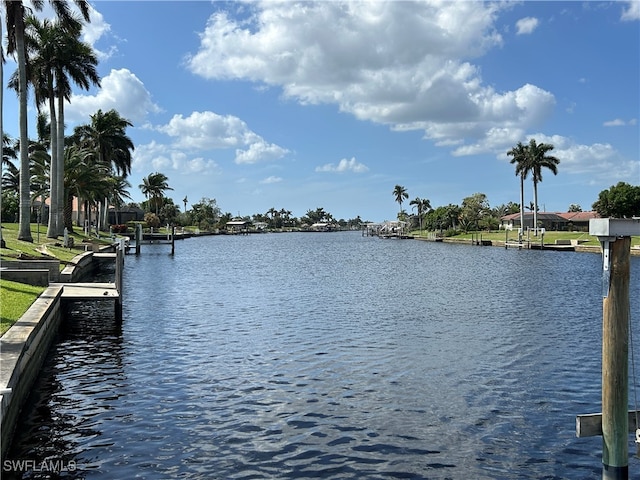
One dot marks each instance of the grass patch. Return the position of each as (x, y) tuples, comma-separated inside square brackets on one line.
[(15, 299), (52, 247), (550, 237)]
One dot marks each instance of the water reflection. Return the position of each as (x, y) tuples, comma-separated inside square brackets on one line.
[(333, 356)]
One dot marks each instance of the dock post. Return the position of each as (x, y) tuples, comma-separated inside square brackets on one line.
[(173, 240), (615, 368), (138, 237), (615, 238), (119, 274)]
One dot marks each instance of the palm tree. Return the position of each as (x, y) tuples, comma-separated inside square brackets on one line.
[(106, 136), (271, 213), (39, 161), (15, 13), (84, 179), (119, 190), (40, 39), (421, 205), (538, 159), (78, 62), (521, 159), (58, 54), (153, 187), (400, 194), (10, 173)]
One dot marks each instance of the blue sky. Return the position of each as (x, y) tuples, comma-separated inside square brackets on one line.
[(300, 105)]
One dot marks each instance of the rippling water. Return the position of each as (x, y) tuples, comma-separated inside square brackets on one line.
[(330, 356)]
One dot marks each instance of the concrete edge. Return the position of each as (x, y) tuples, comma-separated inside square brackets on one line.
[(23, 348), (26, 344)]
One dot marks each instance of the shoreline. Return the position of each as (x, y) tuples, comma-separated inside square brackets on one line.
[(635, 251), (25, 345)]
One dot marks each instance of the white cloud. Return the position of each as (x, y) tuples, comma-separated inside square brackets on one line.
[(526, 26), (344, 166), (94, 31), (271, 179), (618, 122), (208, 130), (155, 156), (632, 12), (258, 151), (120, 90), (403, 64)]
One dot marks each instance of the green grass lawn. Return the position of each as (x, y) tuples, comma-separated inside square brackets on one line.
[(16, 298), (550, 237), (41, 243)]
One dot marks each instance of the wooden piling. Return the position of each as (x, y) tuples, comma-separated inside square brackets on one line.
[(118, 281), (615, 368)]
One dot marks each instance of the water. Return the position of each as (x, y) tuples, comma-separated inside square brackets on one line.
[(329, 356)]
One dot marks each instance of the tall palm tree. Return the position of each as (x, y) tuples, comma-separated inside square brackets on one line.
[(107, 137), (538, 159), (153, 187), (271, 214), (58, 55), (78, 63), (40, 42), (40, 159), (84, 179), (119, 190), (521, 159), (400, 194), (422, 205), (15, 13)]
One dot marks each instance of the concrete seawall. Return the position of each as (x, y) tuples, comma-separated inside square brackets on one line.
[(23, 349), (25, 345)]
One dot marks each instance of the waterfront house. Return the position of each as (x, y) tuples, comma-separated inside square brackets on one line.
[(564, 221)]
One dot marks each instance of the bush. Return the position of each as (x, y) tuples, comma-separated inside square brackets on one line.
[(152, 220), (119, 228)]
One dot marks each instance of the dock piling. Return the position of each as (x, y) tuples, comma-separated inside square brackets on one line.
[(614, 235)]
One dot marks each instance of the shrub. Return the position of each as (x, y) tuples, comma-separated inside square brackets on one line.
[(152, 220), (119, 228)]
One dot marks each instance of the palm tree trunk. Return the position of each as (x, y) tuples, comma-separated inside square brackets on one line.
[(521, 208), (52, 224), (104, 221), (24, 228), (68, 209), (535, 206), (60, 147)]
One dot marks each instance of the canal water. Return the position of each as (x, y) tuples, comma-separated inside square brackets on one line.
[(329, 355)]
